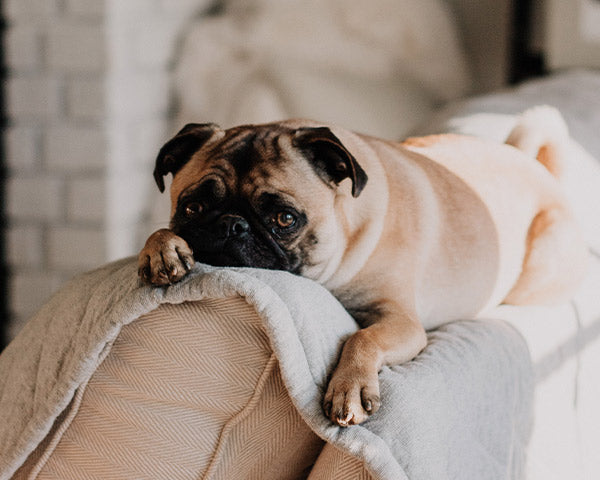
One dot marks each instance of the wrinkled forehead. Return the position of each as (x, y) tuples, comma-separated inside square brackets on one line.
[(246, 158)]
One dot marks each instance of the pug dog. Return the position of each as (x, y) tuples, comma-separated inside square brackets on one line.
[(407, 236)]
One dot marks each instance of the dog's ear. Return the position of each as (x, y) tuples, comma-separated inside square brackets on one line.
[(330, 158), (177, 152)]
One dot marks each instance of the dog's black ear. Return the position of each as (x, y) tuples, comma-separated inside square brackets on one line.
[(177, 152), (330, 157)]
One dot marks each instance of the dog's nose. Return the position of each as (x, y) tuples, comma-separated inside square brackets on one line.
[(232, 226)]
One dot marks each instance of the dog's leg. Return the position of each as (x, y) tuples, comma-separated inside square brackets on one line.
[(353, 391), (555, 260)]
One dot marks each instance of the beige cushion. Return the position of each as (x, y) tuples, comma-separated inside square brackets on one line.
[(335, 464), (186, 391)]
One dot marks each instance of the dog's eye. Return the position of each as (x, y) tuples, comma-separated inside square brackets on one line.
[(285, 219), (193, 209)]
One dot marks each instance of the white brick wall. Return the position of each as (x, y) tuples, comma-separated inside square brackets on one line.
[(35, 199), (33, 97), (25, 246), (75, 248), (51, 51), (22, 148), (88, 101), (23, 48), (73, 149), (29, 289), (75, 46), (31, 9), (85, 99), (85, 8), (86, 200)]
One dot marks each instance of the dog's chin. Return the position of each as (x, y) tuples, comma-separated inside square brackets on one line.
[(229, 258), (222, 259)]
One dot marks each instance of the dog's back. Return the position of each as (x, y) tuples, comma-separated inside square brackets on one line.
[(542, 253)]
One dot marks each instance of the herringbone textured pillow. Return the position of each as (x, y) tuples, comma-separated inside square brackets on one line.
[(187, 391)]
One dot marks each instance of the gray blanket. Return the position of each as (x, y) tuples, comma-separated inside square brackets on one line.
[(461, 409)]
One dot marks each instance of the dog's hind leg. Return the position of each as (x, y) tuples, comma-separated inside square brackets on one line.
[(555, 260)]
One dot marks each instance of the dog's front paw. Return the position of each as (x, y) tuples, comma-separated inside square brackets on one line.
[(351, 396), (165, 259)]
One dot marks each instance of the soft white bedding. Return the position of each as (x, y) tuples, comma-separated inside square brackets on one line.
[(564, 340)]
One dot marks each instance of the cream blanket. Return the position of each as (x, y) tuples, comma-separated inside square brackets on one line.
[(459, 410)]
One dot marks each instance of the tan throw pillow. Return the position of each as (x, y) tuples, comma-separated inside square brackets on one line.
[(187, 391)]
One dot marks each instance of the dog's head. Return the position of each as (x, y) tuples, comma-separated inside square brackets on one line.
[(261, 196)]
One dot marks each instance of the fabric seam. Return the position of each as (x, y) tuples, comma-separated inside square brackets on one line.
[(241, 415), (62, 429)]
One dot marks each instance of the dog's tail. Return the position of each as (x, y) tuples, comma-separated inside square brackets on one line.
[(541, 132)]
